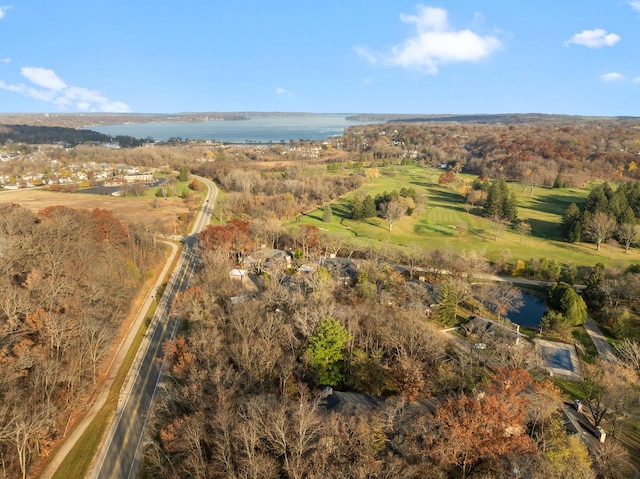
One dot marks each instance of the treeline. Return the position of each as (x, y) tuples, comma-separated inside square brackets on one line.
[(534, 154), (66, 282), (43, 135), (606, 214), (281, 193)]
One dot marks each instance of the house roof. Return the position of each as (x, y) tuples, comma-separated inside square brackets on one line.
[(238, 272), (349, 402)]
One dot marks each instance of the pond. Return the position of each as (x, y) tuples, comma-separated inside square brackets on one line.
[(108, 190), (531, 312)]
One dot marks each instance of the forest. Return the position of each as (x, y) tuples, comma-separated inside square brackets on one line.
[(42, 135), (66, 283)]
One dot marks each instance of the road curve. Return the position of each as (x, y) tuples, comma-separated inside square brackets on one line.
[(119, 455)]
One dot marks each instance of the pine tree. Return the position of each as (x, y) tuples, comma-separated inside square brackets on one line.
[(357, 211), (368, 207), (327, 214), (184, 173), (447, 308), (572, 224), (501, 202), (325, 351)]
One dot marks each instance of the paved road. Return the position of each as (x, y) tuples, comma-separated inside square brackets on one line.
[(119, 456)]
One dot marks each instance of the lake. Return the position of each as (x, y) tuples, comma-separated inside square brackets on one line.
[(531, 312), (258, 129)]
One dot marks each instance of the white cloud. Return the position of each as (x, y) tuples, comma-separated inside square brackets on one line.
[(44, 78), (594, 38), (5, 60), (635, 4), (612, 77), (636, 80), (3, 10), (52, 89), (367, 81), (282, 91), (435, 42)]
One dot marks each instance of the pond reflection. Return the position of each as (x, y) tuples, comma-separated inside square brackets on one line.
[(531, 312)]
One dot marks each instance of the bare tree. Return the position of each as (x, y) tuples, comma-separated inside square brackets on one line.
[(629, 349), (414, 255), (523, 228), (498, 225), (96, 336), (599, 227), (392, 211), (476, 197), (628, 235), (502, 298)]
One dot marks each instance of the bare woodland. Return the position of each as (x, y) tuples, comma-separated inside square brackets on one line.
[(66, 284)]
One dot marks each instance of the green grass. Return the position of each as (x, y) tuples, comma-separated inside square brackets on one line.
[(571, 389), (178, 188), (443, 211), (586, 349)]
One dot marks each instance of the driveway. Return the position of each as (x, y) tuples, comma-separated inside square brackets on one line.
[(601, 343)]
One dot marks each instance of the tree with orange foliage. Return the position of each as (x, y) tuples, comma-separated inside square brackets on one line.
[(471, 431), (233, 236), (447, 177)]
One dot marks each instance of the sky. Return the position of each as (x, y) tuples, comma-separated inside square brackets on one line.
[(576, 57)]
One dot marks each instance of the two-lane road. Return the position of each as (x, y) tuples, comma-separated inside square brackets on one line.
[(119, 456)]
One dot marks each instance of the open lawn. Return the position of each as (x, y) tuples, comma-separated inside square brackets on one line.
[(443, 222)]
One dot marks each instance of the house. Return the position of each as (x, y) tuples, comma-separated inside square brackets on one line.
[(238, 274), (267, 259), (343, 270), (484, 328), (307, 269), (349, 402)]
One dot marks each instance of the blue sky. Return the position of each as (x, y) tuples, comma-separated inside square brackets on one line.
[(578, 57)]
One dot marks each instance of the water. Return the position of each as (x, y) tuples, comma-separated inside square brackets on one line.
[(259, 129), (108, 190), (531, 312)]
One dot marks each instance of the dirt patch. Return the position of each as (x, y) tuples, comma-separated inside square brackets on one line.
[(128, 209)]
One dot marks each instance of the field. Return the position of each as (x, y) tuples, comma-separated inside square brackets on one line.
[(444, 223), (130, 208)]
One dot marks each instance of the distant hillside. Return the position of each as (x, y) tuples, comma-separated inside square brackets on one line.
[(40, 135), (82, 120), (502, 118)]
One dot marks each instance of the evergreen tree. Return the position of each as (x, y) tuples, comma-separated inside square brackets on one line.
[(368, 207), (325, 351), (501, 202), (572, 224), (565, 299), (447, 308), (184, 173), (357, 211), (593, 294), (597, 200), (327, 214)]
